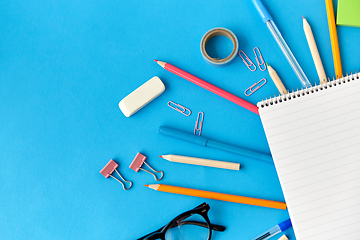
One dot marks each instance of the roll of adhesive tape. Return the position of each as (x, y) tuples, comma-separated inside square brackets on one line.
[(216, 32)]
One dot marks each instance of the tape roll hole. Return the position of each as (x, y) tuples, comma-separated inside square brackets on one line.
[(219, 46)]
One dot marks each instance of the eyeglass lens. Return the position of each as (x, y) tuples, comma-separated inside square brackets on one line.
[(189, 229)]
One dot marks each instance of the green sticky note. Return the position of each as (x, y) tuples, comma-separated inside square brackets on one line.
[(348, 13)]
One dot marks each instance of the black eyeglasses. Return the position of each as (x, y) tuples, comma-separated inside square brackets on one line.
[(190, 225)]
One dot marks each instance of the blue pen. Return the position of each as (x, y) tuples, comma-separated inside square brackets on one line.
[(274, 230), (267, 19), (188, 137)]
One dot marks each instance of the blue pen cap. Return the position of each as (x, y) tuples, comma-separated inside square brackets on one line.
[(188, 137), (264, 14), (285, 225)]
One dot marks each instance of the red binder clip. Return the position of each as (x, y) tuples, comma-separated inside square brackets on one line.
[(138, 162), (109, 168)]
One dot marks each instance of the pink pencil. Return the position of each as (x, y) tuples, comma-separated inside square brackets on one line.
[(209, 86)]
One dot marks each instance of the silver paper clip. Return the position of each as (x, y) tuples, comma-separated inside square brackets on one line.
[(198, 124), (255, 87), (247, 61), (261, 58), (179, 108)]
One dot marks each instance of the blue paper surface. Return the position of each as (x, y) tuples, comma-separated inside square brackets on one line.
[(64, 67)]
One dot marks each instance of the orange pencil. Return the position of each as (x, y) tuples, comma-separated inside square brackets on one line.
[(217, 196), (333, 37)]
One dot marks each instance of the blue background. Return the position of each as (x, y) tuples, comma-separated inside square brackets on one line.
[(64, 67)]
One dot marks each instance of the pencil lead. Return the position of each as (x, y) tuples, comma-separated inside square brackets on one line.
[(146, 185), (155, 60), (161, 156), (303, 17), (267, 64)]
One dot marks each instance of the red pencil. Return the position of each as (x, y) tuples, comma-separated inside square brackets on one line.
[(209, 86)]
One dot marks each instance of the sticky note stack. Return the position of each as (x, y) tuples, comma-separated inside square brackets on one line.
[(348, 13)]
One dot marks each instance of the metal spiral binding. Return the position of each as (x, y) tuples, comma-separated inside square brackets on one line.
[(306, 91)]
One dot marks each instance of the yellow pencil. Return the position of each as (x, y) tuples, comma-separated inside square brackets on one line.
[(276, 79), (334, 38), (217, 196), (314, 51)]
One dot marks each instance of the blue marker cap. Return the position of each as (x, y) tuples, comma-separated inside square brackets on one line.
[(264, 14), (285, 225), (188, 137)]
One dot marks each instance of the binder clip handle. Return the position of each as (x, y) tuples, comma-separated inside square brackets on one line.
[(109, 168), (138, 161)]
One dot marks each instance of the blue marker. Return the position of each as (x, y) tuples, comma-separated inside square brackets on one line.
[(274, 230), (268, 20), (206, 142)]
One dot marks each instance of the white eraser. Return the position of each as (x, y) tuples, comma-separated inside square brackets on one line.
[(141, 96)]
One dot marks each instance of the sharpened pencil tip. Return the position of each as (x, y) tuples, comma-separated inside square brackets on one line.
[(146, 185), (161, 156), (155, 60), (267, 64), (303, 17)]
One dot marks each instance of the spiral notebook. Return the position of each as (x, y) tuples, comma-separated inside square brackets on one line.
[(314, 138)]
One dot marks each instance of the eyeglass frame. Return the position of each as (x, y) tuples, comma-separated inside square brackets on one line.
[(202, 210)]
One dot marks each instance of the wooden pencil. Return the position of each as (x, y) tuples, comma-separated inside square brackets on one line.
[(334, 37), (314, 51), (217, 196), (201, 162), (276, 79)]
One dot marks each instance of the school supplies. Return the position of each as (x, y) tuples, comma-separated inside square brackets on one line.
[(267, 19), (217, 196), (260, 62), (216, 32), (141, 96), (206, 142), (208, 86), (348, 13), (253, 88), (199, 123), (274, 230), (313, 136), (179, 108), (314, 51), (249, 64), (138, 162), (276, 79), (334, 38), (202, 162), (109, 168)]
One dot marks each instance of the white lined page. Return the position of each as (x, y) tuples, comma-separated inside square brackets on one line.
[(315, 143)]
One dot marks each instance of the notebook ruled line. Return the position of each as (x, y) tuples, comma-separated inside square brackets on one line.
[(309, 193), (340, 132), (310, 150), (312, 166), (324, 197), (315, 123), (325, 205), (322, 172)]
